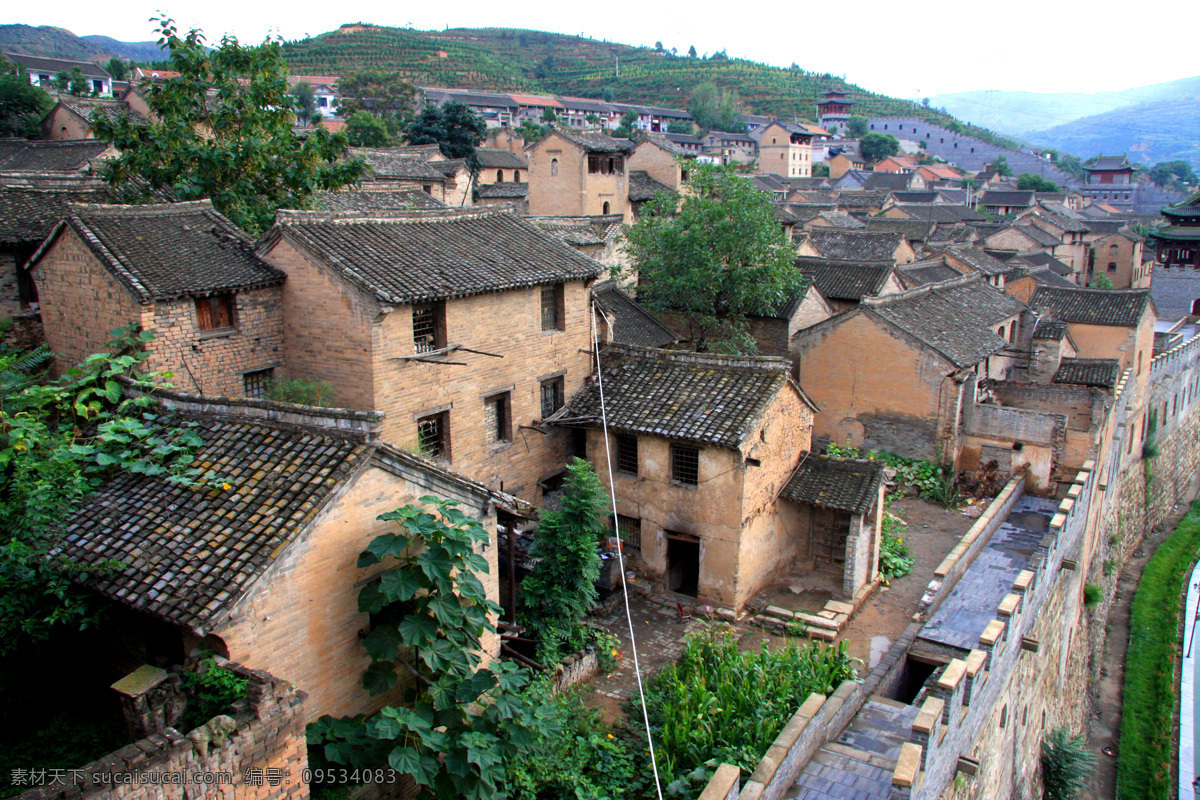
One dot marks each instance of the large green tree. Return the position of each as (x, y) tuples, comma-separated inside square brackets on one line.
[(877, 146), (22, 105), (856, 126), (716, 109), (1029, 181), (364, 129), (304, 100), (385, 95), (715, 258), (454, 128), (223, 130)]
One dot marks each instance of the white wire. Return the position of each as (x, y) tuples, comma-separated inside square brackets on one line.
[(637, 673)]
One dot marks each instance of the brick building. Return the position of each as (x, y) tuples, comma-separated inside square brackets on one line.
[(465, 327), (579, 172), (1104, 323), (785, 149), (181, 271), (403, 168)]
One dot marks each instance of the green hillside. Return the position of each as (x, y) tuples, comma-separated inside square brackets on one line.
[(536, 61), (52, 42), (1150, 132)]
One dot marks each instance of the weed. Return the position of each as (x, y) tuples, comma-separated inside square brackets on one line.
[(1092, 595), (1067, 763)]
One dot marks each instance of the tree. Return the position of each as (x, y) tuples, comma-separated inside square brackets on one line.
[(548, 115), (22, 105), (531, 132), (429, 612), (117, 68), (73, 82), (1031, 182), (561, 589), (658, 46), (1101, 281), (627, 126), (682, 126), (304, 100), (856, 126), (593, 119), (1067, 764), (1002, 167), (386, 95), (719, 258), (222, 129), (364, 129), (715, 109), (454, 128), (60, 441), (1172, 173), (692, 51), (878, 146)]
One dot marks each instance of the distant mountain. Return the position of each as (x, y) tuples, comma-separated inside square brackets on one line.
[(1164, 130), (46, 40)]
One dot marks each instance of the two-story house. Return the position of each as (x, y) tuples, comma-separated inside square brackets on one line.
[(785, 149), (575, 172)]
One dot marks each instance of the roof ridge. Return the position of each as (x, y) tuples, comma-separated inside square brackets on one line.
[(766, 363), (298, 216)]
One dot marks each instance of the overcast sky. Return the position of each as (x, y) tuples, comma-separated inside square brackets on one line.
[(902, 49)]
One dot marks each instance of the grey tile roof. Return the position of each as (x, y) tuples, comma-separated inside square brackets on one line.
[(841, 219), (504, 190), (951, 234), (843, 485), (161, 252), (385, 163), (892, 181), (666, 144), (1039, 236), (979, 259), (18, 155), (631, 323), (921, 273), (643, 187), (941, 212), (1041, 276), (955, 318), (190, 554), (52, 65), (844, 280), (1121, 307), (406, 257), (594, 141), (1109, 162), (692, 397), (917, 196), (1102, 373), (855, 245), (852, 198), (1049, 330), (915, 230), (84, 107), (1048, 261), (1002, 197), (579, 230), (29, 215), (495, 158), (813, 197), (1061, 218), (396, 199)]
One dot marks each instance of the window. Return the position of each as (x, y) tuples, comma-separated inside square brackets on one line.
[(1112, 266), (552, 305), (433, 435), (627, 454), (552, 396), (606, 165), (255, 384), (685, 464), (605, 208), (427, 188), (214, 312), (499, 176), (630, 531), (554, 166), (497, 418), (429, 327)]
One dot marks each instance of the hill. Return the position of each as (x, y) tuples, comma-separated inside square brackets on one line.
[(46, 40), (1150, 132), (537, 61)]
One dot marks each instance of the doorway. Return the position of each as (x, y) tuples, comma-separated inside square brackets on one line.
[(683, 563)]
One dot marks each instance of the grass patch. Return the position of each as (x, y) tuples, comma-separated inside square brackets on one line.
[(1144, 763)]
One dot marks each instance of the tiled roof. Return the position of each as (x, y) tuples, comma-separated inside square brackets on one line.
[(951, 234), (190, 554), (504, 190), (1049, 330), (888, 180), (1122, 307), (397, 199), (813, 197), (919, 196), (161, 252), (842, 485), (495, 158), (595, 141), (1041, 276), (631, 323), (29, 215), (1109, 162), (844, 280), (1048, 261), (1039, 236), (915, 230), (692, 397), (978, 259), (851, 198), (18, 155), (1061, 218), (579, 230), (841, 219), (855, 245), (406, 257), (685, 139), (449, 167), (643, 187), (1000, 197), (955, 318), (941, 212), (1099, 372), (666, 144), (90, 69), (384, 163), (920, 273), (86, 106)]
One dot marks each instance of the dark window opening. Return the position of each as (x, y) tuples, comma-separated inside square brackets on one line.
[(427, 188), (627, 454), (630, 531), (685, 464), (433, 435), (913, 676), (214, 312), (606, 165), (429, 327), (497, 418), (255, 384), (553, 307), (516, 176), (683, 563), (499, 176), (1112, 266), (605, 209), (552, 396), (579, 443)]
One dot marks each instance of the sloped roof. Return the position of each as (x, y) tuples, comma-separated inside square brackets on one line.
[(504, 190), (631, 323), (1050, 330), (1061, 218), (954, 318), (405, 257), (1102, 373), (951, 234), (917, 196), (29, 215), (84, 107), (495, 158), (171, 250), (1006, 197), (1048, 261), (53, 65), (579, 231), (841, 219), (643, 187), (888, 180), (594, 141), (850, 485), (1039, 236), (385, 163), (1121, 307), (660, 140), (921, 273), (859, 198), (395, 199), (979, 259), (855, 245), (914, 230), (692, 397), (941, 212), (1109, 162), (844, 280), (19, 155), (1042, 276)]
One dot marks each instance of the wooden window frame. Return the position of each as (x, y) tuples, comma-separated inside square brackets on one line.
[(216, 312), (554, 385), (253, 379), (500, 428), (429, 326), (685, 464), (433, 435), (553, 307)]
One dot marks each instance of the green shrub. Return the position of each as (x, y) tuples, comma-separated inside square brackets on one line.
[(1067, 763), (302, 392), (894, 558), (1144, 765), (1091, 595), (211, 689)]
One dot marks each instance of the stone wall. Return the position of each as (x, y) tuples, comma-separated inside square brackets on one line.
[(263, 757), (1174, 291)]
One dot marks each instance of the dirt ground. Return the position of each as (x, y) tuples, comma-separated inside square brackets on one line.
[(930, 534)]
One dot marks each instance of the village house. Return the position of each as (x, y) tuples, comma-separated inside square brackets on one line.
[(498, 165), (785, 149), (1115, 251), (42, 72), (595, 237), (855, 245), (1068, 228), (864, 203), (259, 562), (1104, 323), (730, 148), (901, 164), (181, 272), (47, 165), (844, 284), (390, 168), (1109, 179), (662, 160), (1006, 201), (359, 201), (622, 320), (71, 117), (844, 160), (579, 172), (467, 328), (701, 447), (895, 371), (773, 332)]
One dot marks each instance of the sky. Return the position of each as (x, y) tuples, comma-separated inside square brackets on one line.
[(910, 50)]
